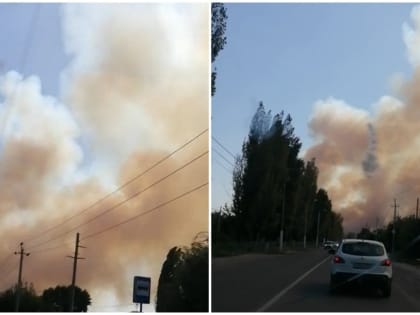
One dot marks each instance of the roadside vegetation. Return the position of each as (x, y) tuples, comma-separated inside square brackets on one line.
[(55, 299), (406, 242), (273, 189)]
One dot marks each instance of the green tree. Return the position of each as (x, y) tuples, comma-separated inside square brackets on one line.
[(169, 298), (268, 176), (366, 234), (407, 236), (336, 226), (194, 278), (218, 37), (58, 299), (272, 185), (331, 223), (183, 281), (223, 222), (29, 301), (306, 193), (259, 175)]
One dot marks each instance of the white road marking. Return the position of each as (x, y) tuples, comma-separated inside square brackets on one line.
[(290, 286)]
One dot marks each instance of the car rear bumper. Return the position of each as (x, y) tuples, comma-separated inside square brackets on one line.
[(341, 278)]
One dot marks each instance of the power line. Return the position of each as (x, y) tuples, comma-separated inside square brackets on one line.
[(223, 147), (223, 166), (122, 202), (48, 249), (147, 211), (136, 216), (223, 157), (120, 187)]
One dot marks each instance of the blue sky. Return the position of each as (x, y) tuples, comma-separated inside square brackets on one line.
[(33, 35), (291, 55)]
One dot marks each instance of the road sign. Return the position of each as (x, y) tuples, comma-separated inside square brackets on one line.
[(141, 290)]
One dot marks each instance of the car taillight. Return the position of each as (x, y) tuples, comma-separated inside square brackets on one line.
[(386, 262), (338, 260)]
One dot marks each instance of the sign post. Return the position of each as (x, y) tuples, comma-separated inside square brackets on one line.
[(141, 291)]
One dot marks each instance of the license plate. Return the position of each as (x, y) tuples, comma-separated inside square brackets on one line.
[(361, 266)]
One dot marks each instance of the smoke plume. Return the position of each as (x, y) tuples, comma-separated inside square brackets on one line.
[(136, 88), (370, 163), (346, 151)]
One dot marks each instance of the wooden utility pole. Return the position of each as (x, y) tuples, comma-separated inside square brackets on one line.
[(282, 217), (317, 229), (417, 209), (73, 280), (19, 284), (395, 206), (305, 225)]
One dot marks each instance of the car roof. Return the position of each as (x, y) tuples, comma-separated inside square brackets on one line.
[(356, 240)]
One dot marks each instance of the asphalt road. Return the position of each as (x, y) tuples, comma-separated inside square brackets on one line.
[(298, 282)]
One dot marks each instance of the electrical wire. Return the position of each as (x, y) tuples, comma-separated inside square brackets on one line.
[(223, 157), (123, 202), (223, 147), (119, 188), (49, 248), (222, 165), (145, 212)]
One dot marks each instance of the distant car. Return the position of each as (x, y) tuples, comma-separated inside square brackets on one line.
[(327, 245), (361, 262)]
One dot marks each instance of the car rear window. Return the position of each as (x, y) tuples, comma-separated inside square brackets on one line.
[(363, 249)]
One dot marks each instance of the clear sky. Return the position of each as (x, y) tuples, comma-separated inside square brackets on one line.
[(291, 55), (34, 44), (82, 111)]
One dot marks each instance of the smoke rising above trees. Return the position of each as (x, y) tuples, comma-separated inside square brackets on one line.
[(362, 168), (370, 163), (268, 176)]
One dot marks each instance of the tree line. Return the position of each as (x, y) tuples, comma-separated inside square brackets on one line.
[(183, 286), (55, 299), (407, 236), (274, 187)]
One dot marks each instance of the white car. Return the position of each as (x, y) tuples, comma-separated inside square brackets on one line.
[(330, 245), (363, 262)]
